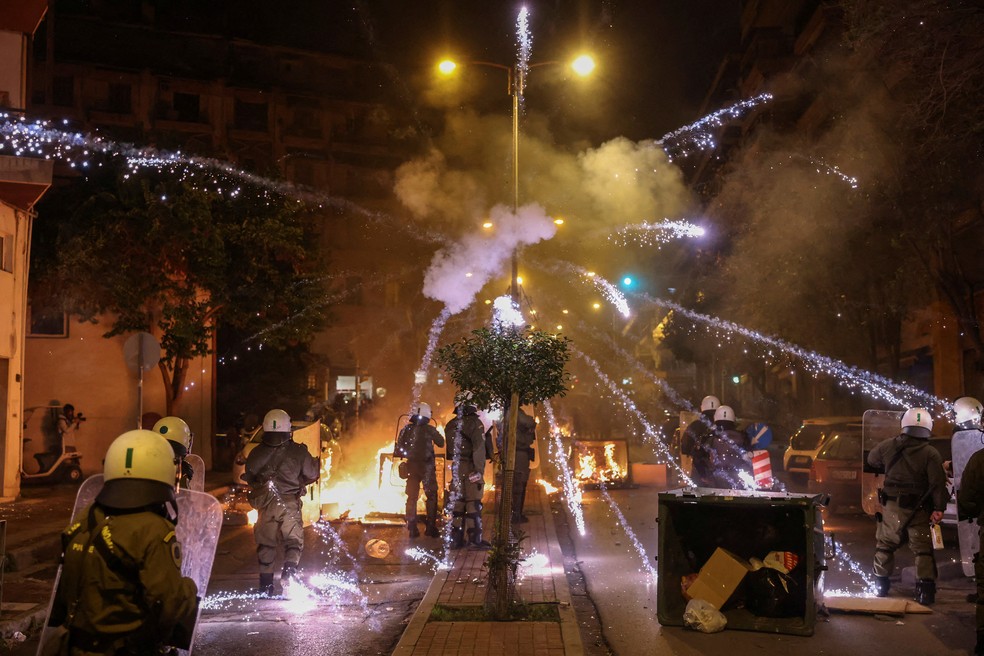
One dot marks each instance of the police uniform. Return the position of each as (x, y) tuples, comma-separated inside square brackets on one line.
[(121, 584), (726, 462), (416, 444), (694, 443), (970, 505), (525, 439), (465, 436), (915, 484), (282, 470)]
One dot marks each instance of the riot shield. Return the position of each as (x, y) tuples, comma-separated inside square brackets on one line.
[(199, 524), (963, 445), (310, 436), (197, 466), (86, 495), (876, 426)]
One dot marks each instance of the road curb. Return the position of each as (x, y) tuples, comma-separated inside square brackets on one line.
[(420, 616)]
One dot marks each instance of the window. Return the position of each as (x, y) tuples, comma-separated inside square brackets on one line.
[(120, 98), (187, 107), (6, 252), (63, 91), (251, 116), (47, 322)]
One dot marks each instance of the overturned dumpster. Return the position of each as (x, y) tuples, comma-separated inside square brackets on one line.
[(756, 556)]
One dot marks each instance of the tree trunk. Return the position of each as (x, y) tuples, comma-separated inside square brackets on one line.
[(500, 577)]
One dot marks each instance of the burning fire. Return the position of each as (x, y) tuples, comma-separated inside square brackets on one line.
[(598, 465)]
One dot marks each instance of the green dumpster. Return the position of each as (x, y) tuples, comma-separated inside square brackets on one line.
[(720, 532)]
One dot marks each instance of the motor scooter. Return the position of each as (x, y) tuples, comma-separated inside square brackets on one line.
[(64, 467)]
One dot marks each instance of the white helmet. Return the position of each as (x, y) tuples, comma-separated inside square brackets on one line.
[(139, 470), (917, 422), (724, 413), (710, 403), (967, 411), (276, 421), (176, 431), (421, 410)]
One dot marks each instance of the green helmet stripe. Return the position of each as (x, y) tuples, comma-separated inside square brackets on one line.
[(129, 458)]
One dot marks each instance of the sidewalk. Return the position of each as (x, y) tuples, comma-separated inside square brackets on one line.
[(464, 585)]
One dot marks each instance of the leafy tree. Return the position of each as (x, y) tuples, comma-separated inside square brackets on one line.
[(505, 367), (156, 251)]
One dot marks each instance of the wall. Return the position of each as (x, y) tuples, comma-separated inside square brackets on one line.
[(89, 371)]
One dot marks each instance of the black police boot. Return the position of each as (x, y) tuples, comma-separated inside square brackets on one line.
[(412, 526), (457, 537), (431, 530), (926, 592), (289, 570), (882, 584), (475, 535), (266, 585)]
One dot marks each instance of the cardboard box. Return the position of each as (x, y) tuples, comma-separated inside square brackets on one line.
[(719, 578)]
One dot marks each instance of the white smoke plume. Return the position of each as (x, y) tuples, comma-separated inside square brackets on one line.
[(459, 270)]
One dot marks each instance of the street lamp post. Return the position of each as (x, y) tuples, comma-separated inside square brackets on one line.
[(583, 65)]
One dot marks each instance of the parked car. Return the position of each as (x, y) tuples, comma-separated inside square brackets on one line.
[(811, 436), (836, 470)]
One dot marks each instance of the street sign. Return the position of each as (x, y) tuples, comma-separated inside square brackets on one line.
[(142, 351)]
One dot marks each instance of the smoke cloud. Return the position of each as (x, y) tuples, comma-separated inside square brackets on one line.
[(460, 270)]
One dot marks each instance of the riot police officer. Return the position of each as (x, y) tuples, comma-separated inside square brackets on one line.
[(727, 466), (970, 495), (695, 437), (914, 492), (178, 434), (121, 589), (277, 472), (416, 443), (465, 435)]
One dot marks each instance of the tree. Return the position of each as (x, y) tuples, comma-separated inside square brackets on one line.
[(505, 367), (159, 251)]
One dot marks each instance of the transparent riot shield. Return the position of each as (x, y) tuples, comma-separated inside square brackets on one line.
[(86, 495), (199, 525), (310, 436), (876, 426), (198, 467), (964, 444)]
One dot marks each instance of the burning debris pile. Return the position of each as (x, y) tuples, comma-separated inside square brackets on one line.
[(603, 462)]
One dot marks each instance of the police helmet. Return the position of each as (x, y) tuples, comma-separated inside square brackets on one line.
[(139, 470), (724, 414), (710, 403), (967, 412), (276, 427), (420, 413), (917, 422), (176, 431)]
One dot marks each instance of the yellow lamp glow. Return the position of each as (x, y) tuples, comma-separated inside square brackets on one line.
[(583, 65), (447, 67)]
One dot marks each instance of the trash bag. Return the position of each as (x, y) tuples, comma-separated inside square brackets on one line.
[(771, 593), (700, 615)]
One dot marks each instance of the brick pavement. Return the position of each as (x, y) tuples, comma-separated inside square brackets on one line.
[(464, 585)]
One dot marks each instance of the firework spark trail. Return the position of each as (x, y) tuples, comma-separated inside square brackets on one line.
[(38, 138), (524, 40), (875, 385), (607, 289), (423, 556), (656, 234), (646, 568), (657, 439), (456, 494), (697, 136), (828, 169), (864, 573), (435, 332), (571, 490)]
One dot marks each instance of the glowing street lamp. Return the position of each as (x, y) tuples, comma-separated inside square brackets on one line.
[(583, 65)]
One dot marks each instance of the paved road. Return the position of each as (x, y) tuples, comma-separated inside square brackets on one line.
[(625, 596)]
